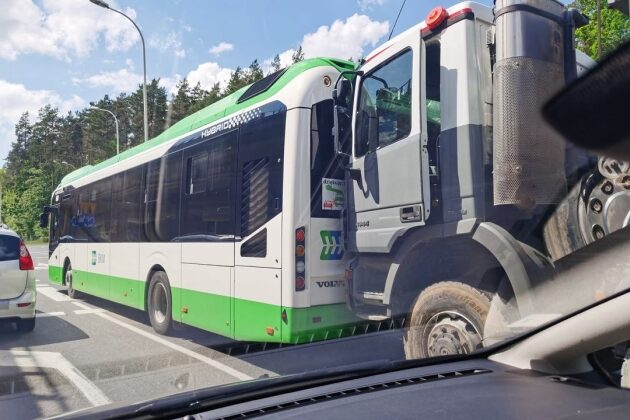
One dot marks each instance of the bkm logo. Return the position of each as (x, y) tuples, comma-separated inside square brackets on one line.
[(332, 247)]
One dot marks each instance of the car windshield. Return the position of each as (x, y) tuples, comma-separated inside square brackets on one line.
[(195, 194)]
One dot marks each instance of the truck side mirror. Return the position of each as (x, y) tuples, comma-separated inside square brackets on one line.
[(43, 220)]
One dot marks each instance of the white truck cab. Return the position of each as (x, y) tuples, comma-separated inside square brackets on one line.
[(453, 173)]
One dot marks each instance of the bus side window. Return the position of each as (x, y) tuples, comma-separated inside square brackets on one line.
[(196, 173), (208, 196), (167, 212), (126, 218), (151, 181), (65, 218)]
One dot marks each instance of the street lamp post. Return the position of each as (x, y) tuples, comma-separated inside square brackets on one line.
[(116, 121), (101, 3)]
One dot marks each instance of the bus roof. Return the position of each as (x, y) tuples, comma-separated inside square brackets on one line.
[(220, 109)]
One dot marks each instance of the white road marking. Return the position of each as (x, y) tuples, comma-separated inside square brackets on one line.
[(89, 311), (44, 359), (49, 314), (207, 360), (52, 293), (42, 265)]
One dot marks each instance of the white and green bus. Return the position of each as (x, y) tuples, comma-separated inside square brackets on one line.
[(228, 221)]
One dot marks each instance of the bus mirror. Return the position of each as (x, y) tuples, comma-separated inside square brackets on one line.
[(43, 220), (342, 101)]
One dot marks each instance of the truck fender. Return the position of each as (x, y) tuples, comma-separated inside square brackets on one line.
[(524, 266)]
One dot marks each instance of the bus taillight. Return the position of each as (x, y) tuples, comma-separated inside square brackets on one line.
[(300, 259)]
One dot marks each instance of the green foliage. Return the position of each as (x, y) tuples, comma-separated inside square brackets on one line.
[(298, 55), (615, 28), (275, 64)]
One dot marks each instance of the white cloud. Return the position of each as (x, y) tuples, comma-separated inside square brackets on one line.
[(117, 81), (221, 47), (369, 4), (170, 83), (16, 99), (342, 39), (169, 42), (207, 74), (62, 28)]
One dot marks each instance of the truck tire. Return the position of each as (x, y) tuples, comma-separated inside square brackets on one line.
[(446, 318), (159, 303)]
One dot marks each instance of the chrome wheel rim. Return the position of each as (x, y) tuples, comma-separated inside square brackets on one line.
[(449, 333)]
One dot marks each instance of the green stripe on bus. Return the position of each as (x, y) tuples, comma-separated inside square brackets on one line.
[(55, 274), (240, 319), (212, 113), (118, 289)]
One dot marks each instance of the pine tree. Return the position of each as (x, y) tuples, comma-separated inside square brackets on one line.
[(179, 107), (298, 55), (254, 72), (237, 81), (275, 64)]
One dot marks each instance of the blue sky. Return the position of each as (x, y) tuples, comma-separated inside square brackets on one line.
[(71, 52)]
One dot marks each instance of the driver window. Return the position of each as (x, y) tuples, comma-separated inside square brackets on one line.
[(384, 112)]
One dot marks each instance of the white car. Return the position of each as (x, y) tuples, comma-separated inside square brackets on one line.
[(17, 281)]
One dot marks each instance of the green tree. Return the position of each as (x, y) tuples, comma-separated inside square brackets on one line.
[(254, 73), (237, 81), (298, 55), (204, 98), (615, 28), (156, 109), (179, 107), (275, 64)]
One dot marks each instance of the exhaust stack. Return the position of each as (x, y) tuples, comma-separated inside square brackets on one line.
[(528, 156)]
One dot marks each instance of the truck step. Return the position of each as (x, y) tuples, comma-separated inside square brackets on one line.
[(372, 296)]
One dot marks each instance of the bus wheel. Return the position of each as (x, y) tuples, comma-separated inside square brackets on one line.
[(447, 318), (160, 303), (72, 292)]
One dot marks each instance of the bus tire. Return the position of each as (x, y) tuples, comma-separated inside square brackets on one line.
[(446, 318), (72, 292), (159, 303)]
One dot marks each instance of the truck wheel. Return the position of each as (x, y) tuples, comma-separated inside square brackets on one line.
[(159, 302), (72, 292), (446, 318)]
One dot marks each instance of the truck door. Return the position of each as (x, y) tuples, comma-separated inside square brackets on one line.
[(389, 146)]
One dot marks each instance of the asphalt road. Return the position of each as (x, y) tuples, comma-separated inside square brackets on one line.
[(90, 352)]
